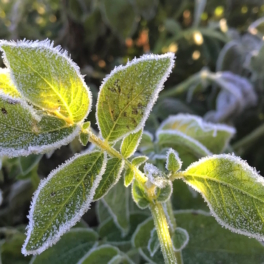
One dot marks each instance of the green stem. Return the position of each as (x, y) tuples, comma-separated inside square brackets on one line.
[(161, 225)]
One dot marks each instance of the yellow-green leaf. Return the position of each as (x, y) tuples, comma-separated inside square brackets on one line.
[(130, 144), (6, 84)]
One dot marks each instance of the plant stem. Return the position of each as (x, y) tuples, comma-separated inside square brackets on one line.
[(161, 225)]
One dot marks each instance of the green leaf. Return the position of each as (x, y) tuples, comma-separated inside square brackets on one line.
[(23, 132), (128, 94), (130, 144), (139, 160), (173, 163), (153, 243), (84, 136), (209, 242), (233, 190), (139, 195), (62, 199), (146, 144), (164, 193), (6, 84), (116, 202), (48, 78), (71, 248), (129, 176), (28, 163), (180, 239), (214, 137), (110, 177)]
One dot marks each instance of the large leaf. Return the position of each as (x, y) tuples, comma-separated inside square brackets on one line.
[(48, 78), (6, 84), (233, 191), (62, 199), (214, 137), (23, 132), (128, 94), (209, 242), (71, 248)]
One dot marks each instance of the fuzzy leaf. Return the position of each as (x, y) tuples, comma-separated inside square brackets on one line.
[(153, 243), (180, 239), (110, 177), (129, 176), (72, 247), (139, 160), (233, 190), (6, 84), (214, 137), (173, 163), (62, 199), (164, 193), (128, 94), (22, 132), (139, 195), (116, 202), (48, 78), (130, 144)]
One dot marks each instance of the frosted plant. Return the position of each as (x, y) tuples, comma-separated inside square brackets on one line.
[(44, 102)]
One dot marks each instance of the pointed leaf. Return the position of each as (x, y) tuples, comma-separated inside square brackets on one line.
[(214, 137), (62, 199), (128, 94), (84, 136), (130, 144), (153, 243), (48, 78), (180, 239), (173, 163), (233, 190), (139, 160), (110, 177), (23, 132), (146, 144), (129, 176), (164, 193), (28, 163), (139, 195), (72, 247), (6, 85)]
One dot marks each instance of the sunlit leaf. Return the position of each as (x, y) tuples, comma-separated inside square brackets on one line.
[(139, 160), (146, 8), (173, 161), (128, 94), (129, 176), (130, 144), (48, 78), (71, 248), (23, 132), (139, 195), (110, 177), (233, 190), (62, 199), (6, 84)]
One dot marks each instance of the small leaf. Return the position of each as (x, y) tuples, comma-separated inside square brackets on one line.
[(154, 175), (146, 144), (28, 163), (116, 202), (48, 78), (6, 85), (129, 176), (62, 199), (164, 193), (128, 94), (84, 136), (153, 243), (72, 246), (173, 163), (180, 239), (110, 177), (23, 132), (214, 137), (139, 160), (139, 195), (233, 190), (130, 144)]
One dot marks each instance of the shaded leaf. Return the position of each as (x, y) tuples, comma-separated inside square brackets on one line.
[(180, 239), (146, 144), (28, 163), (153, 243), (139, 195), (173, 163)]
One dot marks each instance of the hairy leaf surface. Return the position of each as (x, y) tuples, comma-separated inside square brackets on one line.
[(233, 191), (48, 78), (128, 94), (62, 199), (130, 144), (6, 84)]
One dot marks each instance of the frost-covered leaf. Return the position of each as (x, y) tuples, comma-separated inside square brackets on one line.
[(214, 137), (146, 144), (173, 163), (23, 132), (102, 212), (154, 175), (116, 202), (153, 243), (209, 242), (62, 199), (129, 176), (139, 160), (84, 135), (130, 144), (6, 84), (139, 195), (28, 163), (115, 11), (180, 239), (233, 190), (164, 193), (48, 78), (71, 248), (128, 94), (110, 177)]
